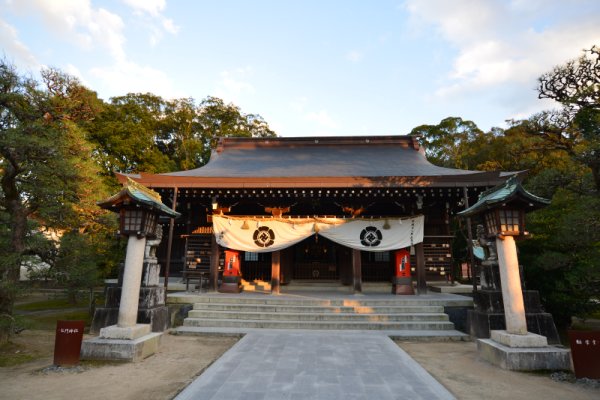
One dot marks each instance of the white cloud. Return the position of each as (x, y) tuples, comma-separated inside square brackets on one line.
[(129, 77), (498, 42), (234, 84), (502, 47), (96, 29), (157, 22), (354, 56), (79, 22), (170, 26), (298, 105), (322, 118), (9, 41), (323, 124), (152, 7), (74, 71)]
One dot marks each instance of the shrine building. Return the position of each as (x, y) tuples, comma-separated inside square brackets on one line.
[(318, 209)]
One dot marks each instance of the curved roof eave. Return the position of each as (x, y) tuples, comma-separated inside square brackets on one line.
[(365, 161)]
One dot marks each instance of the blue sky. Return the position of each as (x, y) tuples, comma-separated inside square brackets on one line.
[(312, 68)]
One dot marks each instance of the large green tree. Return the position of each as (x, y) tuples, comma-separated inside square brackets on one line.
[(445, 143), (146, 133), (562, 258), (576, 127), (126, 135), (47, 176)]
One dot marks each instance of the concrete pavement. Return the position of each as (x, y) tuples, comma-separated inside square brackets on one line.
[(272, 364)]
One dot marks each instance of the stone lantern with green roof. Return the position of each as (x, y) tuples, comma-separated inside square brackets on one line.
[(139, 209), (503, 211)]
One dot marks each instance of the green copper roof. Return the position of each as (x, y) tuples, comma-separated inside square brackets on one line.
[(510, 192), (138, 194)]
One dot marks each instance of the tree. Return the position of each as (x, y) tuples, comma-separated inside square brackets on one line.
[(561, 260), (445, 142), (145, 133), (576, 84), (46, 174), (219, 120), (576, 127), (126, 135), (180, 137)]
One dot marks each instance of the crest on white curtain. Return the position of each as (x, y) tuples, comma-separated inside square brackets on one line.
[(272, 234)]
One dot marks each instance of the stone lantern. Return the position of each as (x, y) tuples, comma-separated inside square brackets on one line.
[(503, 209), (139, 209)]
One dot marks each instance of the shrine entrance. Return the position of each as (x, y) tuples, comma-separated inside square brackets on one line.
[(316, 259)]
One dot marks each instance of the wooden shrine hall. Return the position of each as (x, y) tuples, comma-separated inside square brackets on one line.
[(322, 209)]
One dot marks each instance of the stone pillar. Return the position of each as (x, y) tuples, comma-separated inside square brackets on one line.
[(275, 271), (421, 273), (132, 278), (126, 341), (356, 271), (514, 307)]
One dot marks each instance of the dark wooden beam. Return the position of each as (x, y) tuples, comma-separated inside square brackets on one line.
[(170, 240), (275, 271), (214, 264), (277, 211), (356, 271), (472, 265), (421, 274)]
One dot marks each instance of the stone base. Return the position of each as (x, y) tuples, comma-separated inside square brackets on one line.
[(230, 288), (403, 289), (125, 333), (402, 285), (157, 317), (149, 296), (481, 323), (120, 350), (513, 340), (524, 358)]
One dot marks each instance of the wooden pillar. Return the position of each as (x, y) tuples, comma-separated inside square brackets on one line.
[(214, 264), (356, 271), (421, 276), (170, 240), (275, 269), (472, 266)]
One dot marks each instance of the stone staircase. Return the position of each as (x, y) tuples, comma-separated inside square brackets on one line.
[(256, 286), (398, 317)]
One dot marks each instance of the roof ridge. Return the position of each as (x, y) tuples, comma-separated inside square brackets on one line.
[(400, 140)]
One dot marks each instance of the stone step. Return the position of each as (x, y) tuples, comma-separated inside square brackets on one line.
[(327, 317), (412, 335), (339, 325), (328, 302), (317, 309), (256, 286)]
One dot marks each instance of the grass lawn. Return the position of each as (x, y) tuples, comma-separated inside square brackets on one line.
[(39, 311)]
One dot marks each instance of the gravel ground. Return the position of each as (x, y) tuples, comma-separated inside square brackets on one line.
[(457, 366), (181, 358), (161, 376)]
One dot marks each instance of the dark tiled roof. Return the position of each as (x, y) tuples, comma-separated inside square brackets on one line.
[(377, 156)]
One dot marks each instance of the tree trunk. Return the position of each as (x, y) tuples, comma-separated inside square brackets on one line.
[(11, 267), (596, 176)]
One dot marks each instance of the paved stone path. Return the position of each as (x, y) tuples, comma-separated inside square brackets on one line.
[(314, 365)]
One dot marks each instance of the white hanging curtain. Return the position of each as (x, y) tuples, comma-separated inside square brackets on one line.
[(377, 234), (262, 235)]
